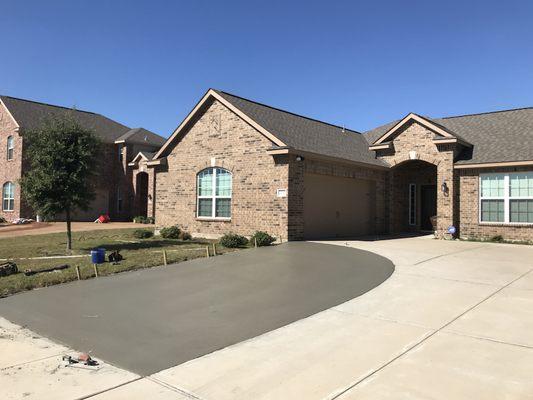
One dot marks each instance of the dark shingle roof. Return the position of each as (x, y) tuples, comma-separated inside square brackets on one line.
[(306, 134), (142, 136), (30, 114), (498, 136)]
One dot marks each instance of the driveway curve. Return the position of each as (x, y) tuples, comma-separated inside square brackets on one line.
[(149, 320)]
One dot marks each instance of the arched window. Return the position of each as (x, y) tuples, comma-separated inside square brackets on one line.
[(10, 147), (8, 196), (214, 193)]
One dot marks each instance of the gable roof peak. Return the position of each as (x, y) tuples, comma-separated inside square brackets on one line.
[(342, 128)]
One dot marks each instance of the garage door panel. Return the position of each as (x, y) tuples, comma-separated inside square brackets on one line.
[(337, 207)]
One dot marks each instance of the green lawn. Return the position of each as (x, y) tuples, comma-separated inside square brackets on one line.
[(137, 253)]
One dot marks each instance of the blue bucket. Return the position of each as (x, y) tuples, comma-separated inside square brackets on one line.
[(98, 256)]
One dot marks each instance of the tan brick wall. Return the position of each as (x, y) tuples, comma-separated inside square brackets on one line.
[(239, 148), (469, 225), (417, 138)]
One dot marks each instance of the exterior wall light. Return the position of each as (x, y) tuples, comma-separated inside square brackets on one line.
[(444, 188), (299, 158)]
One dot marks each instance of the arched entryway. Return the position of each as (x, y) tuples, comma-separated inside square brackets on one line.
[(413, 201), (141, 193)]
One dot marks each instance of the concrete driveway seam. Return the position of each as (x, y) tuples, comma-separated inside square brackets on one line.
[(176, 389), (424, 339), (456, 333), (108, 389), (447, 254)]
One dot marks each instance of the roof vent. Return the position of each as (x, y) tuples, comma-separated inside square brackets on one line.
[(343, 129)]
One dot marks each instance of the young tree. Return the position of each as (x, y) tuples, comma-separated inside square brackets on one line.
[(62, 156)]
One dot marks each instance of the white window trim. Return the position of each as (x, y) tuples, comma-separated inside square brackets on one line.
[(9, 199), (412, 204), (506, 198), (10, 148), (213, 195)]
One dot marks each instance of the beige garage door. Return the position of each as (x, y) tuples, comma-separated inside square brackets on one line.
[(338, 207)]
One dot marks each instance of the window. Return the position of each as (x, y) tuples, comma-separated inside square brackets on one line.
[(120, 152), (506, 198), (119, 200), (8, 196), (412, 204), (10, 147), (214, 193)]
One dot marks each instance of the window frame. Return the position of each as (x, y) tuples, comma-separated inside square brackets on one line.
[(507, 198), (10, 200), (214, 197), (10, 148), (412, 204)]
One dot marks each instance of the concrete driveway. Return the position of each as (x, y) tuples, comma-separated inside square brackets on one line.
[(454, 321), (149, 320)]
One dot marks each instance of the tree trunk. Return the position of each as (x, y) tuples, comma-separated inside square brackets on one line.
[(69, 231)]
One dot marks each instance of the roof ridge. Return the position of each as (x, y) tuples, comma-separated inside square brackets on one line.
[(288, 112), (484, 113), (50, 105)]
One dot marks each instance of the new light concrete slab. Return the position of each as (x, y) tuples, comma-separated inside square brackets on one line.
[(506, 317), (309, 359), (454, 367), (475, 266), (19, 345), (142, 389), (48, 380), (420, 300), (526, 282)]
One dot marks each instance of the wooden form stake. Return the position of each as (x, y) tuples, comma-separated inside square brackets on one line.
[(78, 272), (164, 257), (95, 270)]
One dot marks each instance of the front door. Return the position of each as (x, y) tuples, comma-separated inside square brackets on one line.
[(428, 203)]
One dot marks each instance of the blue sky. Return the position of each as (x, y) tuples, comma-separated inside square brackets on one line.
[(358, 64)]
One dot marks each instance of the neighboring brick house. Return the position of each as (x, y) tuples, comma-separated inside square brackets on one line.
[(116, 191), (234, 165)]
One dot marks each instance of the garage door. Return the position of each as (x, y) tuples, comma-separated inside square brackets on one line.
[(338, 207)]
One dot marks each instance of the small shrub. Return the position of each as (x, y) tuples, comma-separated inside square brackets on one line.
[(172, 232), (232, 240), (139, 219), (150, 220), (497, 239), (143, 234), (3, 220), (185, 236), (262, 239)]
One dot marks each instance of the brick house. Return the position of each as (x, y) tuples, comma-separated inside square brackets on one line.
[(235, 165), (117, 193)]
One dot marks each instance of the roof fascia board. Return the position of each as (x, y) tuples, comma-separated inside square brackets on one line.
[(383, 146), (10, 115), (159, 161), (420, 120), (494, 164), (205, 98), (323, 157)]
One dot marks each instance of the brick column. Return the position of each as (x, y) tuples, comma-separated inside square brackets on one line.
[(445, 204)]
